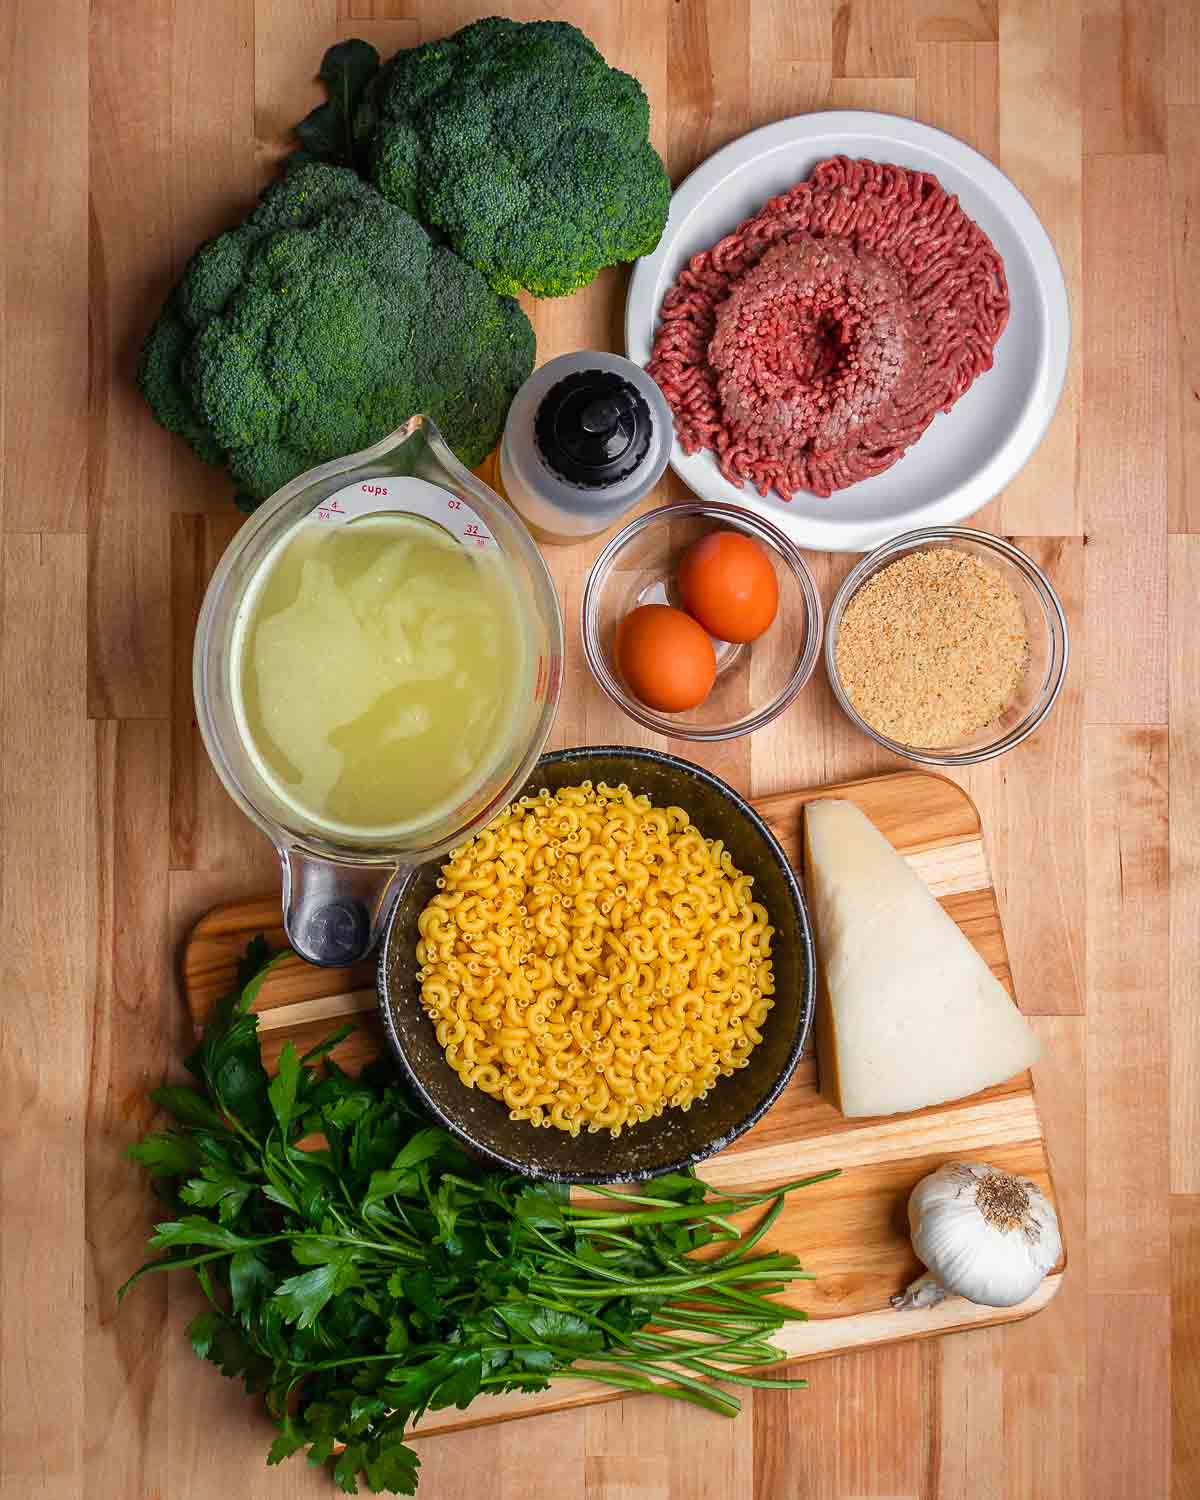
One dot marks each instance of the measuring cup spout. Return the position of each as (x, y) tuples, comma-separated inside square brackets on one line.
[(335, 913)]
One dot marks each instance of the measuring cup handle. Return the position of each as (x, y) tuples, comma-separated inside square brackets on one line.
[(333, 913)]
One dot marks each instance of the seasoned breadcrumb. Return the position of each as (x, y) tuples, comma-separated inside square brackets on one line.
[(933, 648)]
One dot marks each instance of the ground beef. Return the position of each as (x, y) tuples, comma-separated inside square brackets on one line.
[(817, 342)]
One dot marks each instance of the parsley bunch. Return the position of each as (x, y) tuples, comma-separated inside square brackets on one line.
[(361, 1268)]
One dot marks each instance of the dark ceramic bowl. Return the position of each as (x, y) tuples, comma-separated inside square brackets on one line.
[(673, 1139)]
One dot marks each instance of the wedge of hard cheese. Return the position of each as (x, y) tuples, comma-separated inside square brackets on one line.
[(908, 1013)]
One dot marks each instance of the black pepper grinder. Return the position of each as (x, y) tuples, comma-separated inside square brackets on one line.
[(587, 436)]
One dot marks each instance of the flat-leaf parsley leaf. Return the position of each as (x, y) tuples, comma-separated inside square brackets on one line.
[(358, 1280)]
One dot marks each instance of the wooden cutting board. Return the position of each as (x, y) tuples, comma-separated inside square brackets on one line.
[(851, 1231)]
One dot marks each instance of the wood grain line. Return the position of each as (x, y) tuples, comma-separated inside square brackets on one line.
[(135, 1041), (1183, 361), (1183, 55), (1184, 872), (44, 273), (1124, 76), (46, 785), (1040, 819), (1129, 1421), (709, 48), (956, 20), (1045, 1430), (1124, 439), (873, 39), (1127, 976), (1041, 150), (1185, 1338)]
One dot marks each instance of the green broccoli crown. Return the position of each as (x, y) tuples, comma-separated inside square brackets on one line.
[(322, 323), (521, 144)]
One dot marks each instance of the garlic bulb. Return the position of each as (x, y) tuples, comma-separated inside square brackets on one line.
[(984, 1234)]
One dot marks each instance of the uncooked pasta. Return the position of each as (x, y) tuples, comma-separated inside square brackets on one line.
[(813, 345), (592, 960)]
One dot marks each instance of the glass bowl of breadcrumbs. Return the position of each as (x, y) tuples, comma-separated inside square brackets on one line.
[(947, 646)]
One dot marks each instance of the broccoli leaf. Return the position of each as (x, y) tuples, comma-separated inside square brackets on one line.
[(327, 132)]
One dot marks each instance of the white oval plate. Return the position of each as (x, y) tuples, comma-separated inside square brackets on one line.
[(966, 455)]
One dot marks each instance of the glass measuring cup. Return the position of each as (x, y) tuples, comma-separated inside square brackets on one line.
[(340, 888)]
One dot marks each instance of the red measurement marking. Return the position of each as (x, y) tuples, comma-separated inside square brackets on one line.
[(454, 504), (374, 489), (471, 529)]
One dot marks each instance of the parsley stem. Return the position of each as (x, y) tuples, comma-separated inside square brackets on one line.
[(722, 1203), (705, 1396), (649, 1345), (748, 1242), (676, 1376), (739, 1377), (675, 1284), (401, 1252), (599, 1218), (671, 1316)]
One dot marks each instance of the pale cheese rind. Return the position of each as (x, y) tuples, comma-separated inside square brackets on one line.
[(909, 1014)]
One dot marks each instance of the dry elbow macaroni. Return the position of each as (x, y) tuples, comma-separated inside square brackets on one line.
[(590, 959)]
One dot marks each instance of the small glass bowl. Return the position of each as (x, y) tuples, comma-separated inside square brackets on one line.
[(1045, 621), (756, 680)]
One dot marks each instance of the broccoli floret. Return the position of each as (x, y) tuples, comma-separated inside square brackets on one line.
[(322, 323), (161, 382), (521, 144), (210, 279)]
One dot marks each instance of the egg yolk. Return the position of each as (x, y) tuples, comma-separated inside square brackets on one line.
[(666, 658), (727, 582)]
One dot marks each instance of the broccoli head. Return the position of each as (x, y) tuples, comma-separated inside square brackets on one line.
[(520, 143), (320, 324)]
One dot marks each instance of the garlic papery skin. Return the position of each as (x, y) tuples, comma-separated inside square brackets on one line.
[(983, 1233)]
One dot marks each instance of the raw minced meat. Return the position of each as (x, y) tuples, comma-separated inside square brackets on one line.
[(813, 345)]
